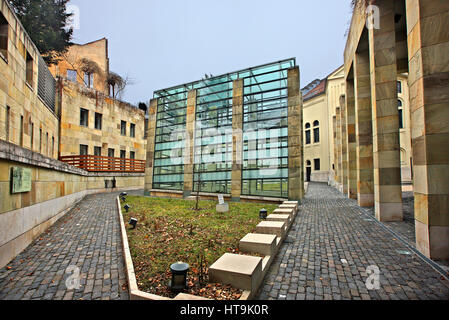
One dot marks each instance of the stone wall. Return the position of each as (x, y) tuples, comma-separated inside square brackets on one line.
[(73, 97), (31, 123)]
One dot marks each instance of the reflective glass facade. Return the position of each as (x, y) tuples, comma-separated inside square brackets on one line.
[(265, 132), (264, 125)]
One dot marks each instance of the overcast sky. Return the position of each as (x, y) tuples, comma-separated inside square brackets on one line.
[(163, 43)]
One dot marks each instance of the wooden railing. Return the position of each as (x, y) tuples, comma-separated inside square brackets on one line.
[(105, 164)]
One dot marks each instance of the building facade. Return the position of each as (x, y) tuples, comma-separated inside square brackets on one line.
[(401, 36), (38, 115), (321, 100), (86, 64), (238, 134)]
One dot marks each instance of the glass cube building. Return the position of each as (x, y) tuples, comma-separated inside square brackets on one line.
[(229, 134)]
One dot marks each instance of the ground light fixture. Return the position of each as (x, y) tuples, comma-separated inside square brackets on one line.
[(179, 272), (263, 214), (133, 222), (127, 207)]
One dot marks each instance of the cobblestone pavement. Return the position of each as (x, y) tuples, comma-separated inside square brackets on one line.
[(87, 237), (330, 246)]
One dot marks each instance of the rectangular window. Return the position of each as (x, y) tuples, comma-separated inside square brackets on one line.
[(399, 84), (316, 135), (21, 131), (123, 154), (52, 146), (317, 164), (98, 121), (132, 130), (89, 80), (97, 151), (123, 128), (29, 70), (111, 153), (46, 144), (84, 117), (7, 120), (132, 155), (401, 119), (308, 137), (32, 135), (4, 33), (72, 75), (83, 150)]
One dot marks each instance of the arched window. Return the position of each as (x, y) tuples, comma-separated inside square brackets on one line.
[(308, 134), (401, 114), (316, 132), (309, 163)]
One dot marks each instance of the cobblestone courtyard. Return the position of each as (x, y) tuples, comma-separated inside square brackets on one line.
[(330, 228)]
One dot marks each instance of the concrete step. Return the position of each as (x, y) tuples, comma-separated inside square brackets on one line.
[(272, 227), (291, 212), (264, 244), (280, 218)]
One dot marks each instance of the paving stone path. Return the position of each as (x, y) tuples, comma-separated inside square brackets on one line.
[(88, 237), (330, 228)]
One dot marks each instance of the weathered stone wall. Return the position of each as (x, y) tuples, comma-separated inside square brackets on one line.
[(97, 52), (73, 97), (55, 188), (21, 97)]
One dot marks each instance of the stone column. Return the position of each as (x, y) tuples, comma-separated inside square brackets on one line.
[(338, 147), (386, 146), (351, 140), (428, 47), (237, 139), (364, 130), (295, 145), (344, 146), (189, 151), (151, 139)]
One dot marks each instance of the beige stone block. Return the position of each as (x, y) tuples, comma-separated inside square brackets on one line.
[(264, 244), (388, 212), (280, 218), (242, 272), (365, 200), (289, 211)]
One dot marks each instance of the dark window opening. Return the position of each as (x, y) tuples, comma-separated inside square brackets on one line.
[(399, 84), (84, 117), (123, 154), (40, 140), (29, 70), (132, 155), (97, 151), (7, 120), (132, 130), (123, 128), (21, 131), (83, 150), (98, 121), (317, 163), (316, 135), (111, 153), (52, 146), (4, 33), (308, 137)]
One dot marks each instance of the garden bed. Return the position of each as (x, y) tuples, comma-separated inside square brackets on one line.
[(171, 230)]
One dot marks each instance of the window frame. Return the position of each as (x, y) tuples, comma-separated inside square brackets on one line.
[(81, 118)]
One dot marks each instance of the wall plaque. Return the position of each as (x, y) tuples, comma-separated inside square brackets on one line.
[(21, 180)]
